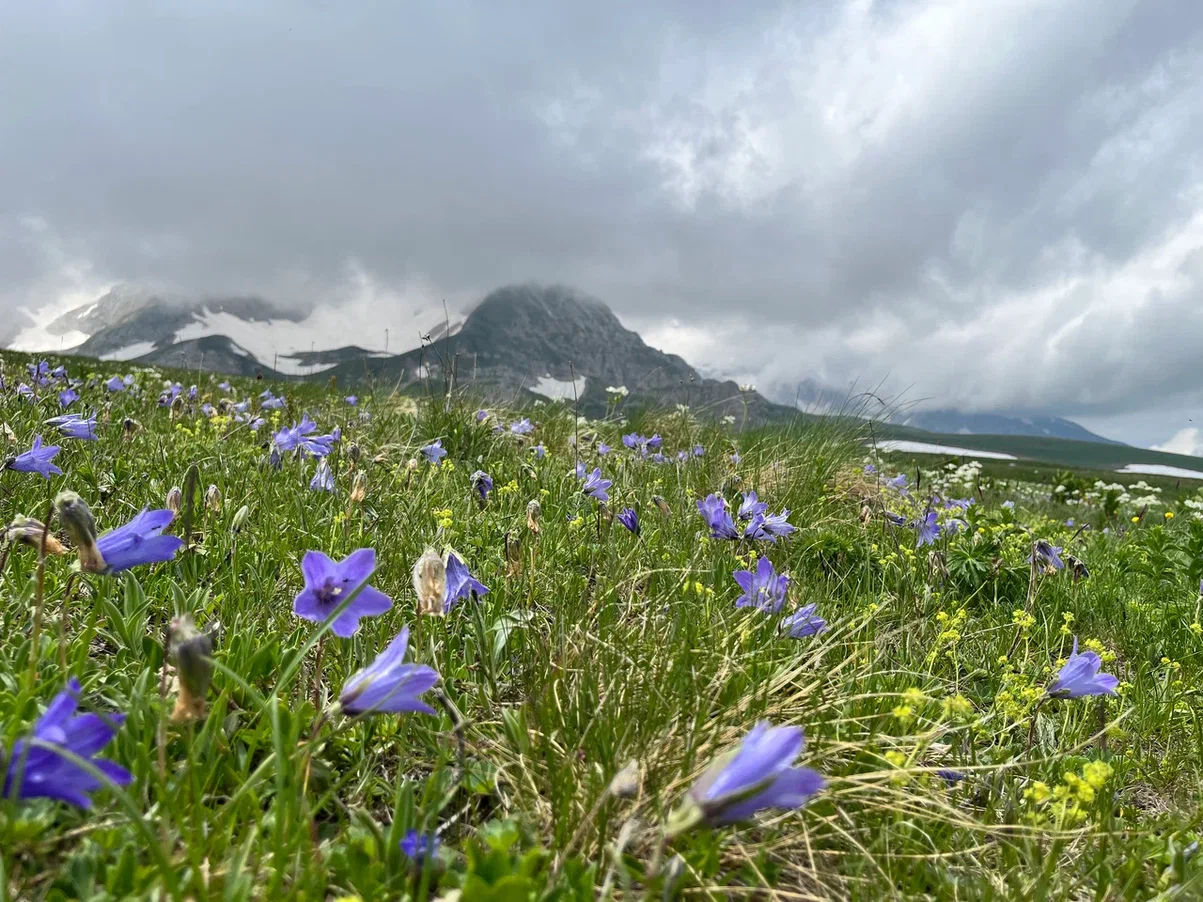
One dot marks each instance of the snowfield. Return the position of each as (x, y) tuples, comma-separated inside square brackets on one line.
[(927, 448)]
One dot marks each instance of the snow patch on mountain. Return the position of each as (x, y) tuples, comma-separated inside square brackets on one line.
[(130, 352), (559, 389)]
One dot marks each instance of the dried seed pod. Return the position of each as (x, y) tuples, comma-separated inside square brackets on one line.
[(534, 510), (213, 498), (175, 499)]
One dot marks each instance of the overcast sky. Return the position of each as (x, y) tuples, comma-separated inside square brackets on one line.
[(994, 204)]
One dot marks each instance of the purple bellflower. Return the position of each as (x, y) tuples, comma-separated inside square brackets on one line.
[(1046, 555), (352, 400), (328, 584), (43, 772), (596, 487), (769, 526), (37, 459), (115, 384), (522, 427), (603, 449), (140, 541), (434, 452), (927, 530), (763, 588), (461, 584), (759, 774), (482, 484), (750, 506), (714, 511), (75, 425), (388, 685), (803, 622), (323, 479), (1080, 677), (629, 518), (419, 846), (67, 397)]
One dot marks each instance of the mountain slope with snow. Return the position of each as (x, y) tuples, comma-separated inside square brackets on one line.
[(128, 323)]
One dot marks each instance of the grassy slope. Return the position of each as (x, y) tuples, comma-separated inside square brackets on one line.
[(592, 649), (1087, 455)]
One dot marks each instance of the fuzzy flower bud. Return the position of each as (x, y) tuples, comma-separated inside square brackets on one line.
[(534, 510), (81, 525), (177, 406), (192, 651), (662, 505), (353, 452), (239, 520), (175, 499), (625, 784), (129, 428), (430, 582), (213, 498)]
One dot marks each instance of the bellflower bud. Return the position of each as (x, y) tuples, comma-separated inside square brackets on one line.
[(240, 517), (174, 500), (192, 651), (81, 525), (213, 498), (430, 582)]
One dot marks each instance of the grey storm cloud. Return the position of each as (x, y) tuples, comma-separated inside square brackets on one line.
[(989, 203)]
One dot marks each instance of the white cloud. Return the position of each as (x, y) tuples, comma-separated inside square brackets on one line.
[(1184, 441)]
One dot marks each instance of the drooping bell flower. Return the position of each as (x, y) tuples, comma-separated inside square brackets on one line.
[(41, 771), (714, 511), (140, 541), (388, 685), (803, 622), (759, 774), (1080, 677), (482, 484), (38, 459), (461, 584), (596, 487), (1046, 556), (75, 425), (629, 518)]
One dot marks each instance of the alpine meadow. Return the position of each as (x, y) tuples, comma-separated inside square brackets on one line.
[(274, 640)]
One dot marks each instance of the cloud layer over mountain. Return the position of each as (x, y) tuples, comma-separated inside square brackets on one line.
[(993, 203)]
